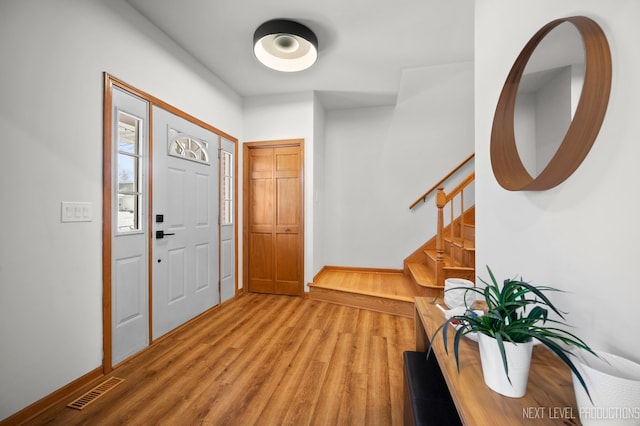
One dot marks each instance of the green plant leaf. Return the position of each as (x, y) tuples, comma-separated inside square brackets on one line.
[(507, 320), (562, 354), (456, 344), (503, 354)]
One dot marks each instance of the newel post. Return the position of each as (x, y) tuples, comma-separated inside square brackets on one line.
[(441, 201)]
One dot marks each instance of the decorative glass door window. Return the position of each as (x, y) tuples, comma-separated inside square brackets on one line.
[(188, 147), (129, 177), (226, 193)]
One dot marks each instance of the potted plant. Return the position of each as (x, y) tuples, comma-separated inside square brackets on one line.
[(515, 315)]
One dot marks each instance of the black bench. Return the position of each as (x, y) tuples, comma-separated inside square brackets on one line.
[(427, 400)]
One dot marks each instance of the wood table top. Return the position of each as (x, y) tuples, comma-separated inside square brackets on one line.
[(550, 398)]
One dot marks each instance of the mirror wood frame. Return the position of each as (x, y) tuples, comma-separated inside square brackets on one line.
[(583, 130)]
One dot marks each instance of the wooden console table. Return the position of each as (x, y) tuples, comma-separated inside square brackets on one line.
[(550, 399)]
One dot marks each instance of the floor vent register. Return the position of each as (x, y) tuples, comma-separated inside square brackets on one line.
[(95, 393)]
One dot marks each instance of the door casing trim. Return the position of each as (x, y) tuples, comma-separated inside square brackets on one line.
[(107, 192)]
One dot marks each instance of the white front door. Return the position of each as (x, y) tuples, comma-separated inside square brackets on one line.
[(171, 222), (185, 253)]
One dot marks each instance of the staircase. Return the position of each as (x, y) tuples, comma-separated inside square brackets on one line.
[(451, 252), (457, 259)]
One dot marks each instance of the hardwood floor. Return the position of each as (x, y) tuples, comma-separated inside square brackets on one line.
[(262, 359)]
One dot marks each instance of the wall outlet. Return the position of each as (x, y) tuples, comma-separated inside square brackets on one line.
[(76, 212)]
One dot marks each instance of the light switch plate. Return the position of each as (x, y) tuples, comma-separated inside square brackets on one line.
[(72, 211)]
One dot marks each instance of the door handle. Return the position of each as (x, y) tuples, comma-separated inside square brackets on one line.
[(161, 234)]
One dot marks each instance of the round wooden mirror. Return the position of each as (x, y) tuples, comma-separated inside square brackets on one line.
[(588, 115)]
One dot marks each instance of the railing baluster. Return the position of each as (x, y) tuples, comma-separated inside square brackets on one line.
[(441, 202), (463, 261), (451, 230)]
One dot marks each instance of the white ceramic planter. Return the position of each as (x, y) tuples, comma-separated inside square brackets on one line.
[(518, 360), (614, 385), (459, 298)]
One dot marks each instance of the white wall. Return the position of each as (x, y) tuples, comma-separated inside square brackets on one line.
[(290, 116), (379, 160), (53, 56), (580, 236), (319, 193)]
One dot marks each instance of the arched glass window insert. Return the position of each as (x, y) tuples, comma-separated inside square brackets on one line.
[(188, 147)]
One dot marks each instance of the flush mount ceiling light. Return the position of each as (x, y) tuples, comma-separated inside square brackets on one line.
[(285, 45)]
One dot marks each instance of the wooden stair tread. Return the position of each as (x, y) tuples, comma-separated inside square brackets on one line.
[(392, 284), (422, 275), (388, 292), (448, 261)]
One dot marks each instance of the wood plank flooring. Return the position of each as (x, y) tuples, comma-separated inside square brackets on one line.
[(264, 360)]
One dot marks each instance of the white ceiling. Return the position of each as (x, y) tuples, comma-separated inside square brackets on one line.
[(363, 44)]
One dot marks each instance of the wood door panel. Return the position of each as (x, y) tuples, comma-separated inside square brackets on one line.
[(288, 202), (261, 206), (261, 163), (287, 160), (289, 288), (261, 265), (261, 286), (275, 209), (287, 261)]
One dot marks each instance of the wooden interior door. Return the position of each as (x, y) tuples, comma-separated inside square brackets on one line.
[(274, 207)]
